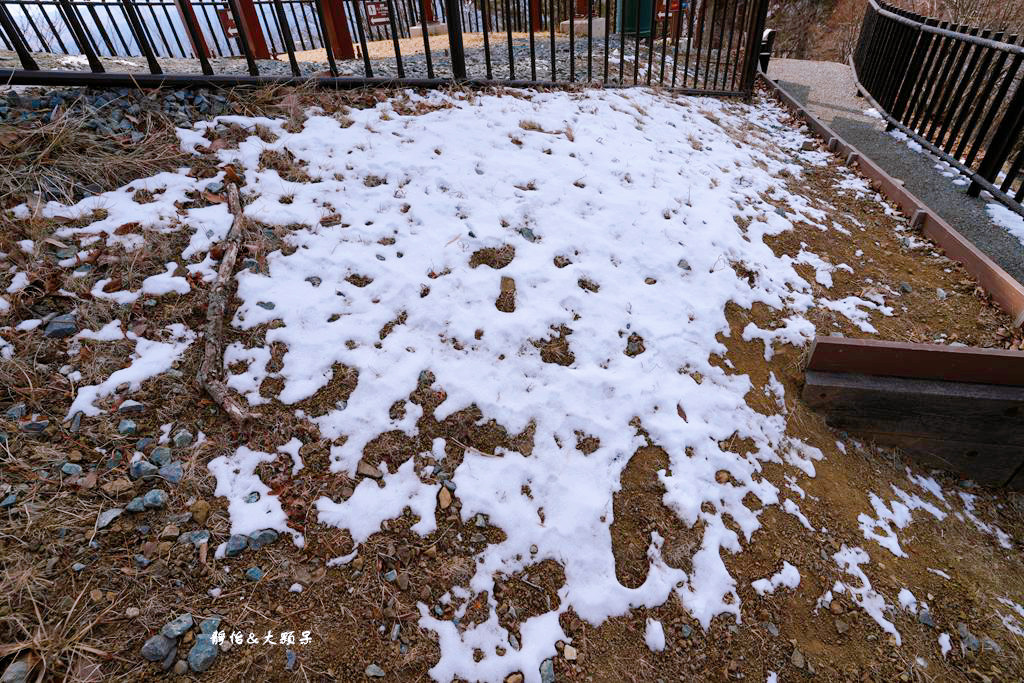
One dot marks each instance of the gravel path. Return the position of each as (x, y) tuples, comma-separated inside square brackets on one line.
[(828, 90)]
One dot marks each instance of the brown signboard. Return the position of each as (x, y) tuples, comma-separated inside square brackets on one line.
[(376, 12)]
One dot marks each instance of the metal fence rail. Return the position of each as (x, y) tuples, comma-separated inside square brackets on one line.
[(705, 46), (958, 90)]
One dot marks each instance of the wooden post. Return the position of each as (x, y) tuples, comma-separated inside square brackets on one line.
[(535, 15), (253, 31), (188, 18), (337, 28), (581, 8), (428, 10)]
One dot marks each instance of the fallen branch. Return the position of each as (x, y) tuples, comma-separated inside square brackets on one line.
[(208, 376)]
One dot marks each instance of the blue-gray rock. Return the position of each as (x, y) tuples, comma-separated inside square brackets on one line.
[(104, 519), (687, 631), (18, 671), (112, 461), (268, 305), (254, 573), (77, 567), (290, 660), (208, 626), (262, 538), (235, 545), (202, 654), (34, 425), (253, 497), (969, 640), (547, 671), (390, 575), (142, 469), (196, 538), (528, 234), (990, 644), (172, 472), (182, 438), (169, 659), (127, 427), (76, 422), (141, 561), (61, 326), (136, 504), (215, 187), (925, 618), (131, 407), (155, 499), (161, 455), (177, 627), (9, 500), (143, 443), (16, 412), (70, 469), (157, 648), (374, 671)]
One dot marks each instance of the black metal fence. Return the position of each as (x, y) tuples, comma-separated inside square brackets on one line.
[(958, 90), (705, 46)]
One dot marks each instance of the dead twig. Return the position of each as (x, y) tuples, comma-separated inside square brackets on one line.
[(208, 376)]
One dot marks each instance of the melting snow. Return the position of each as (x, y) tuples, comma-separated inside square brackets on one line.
[(788, 576)]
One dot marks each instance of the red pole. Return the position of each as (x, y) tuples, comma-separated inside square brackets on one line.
[(337, 28), (581, 8), (428, 11), (188, 17), (253, 30), (535, 15)]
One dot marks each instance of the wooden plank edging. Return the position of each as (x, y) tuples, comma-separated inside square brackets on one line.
[(1006, 291)]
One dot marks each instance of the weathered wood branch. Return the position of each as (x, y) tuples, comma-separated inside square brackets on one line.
[(213, 355)]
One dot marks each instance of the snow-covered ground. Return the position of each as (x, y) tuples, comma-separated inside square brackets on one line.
[(656, 203)]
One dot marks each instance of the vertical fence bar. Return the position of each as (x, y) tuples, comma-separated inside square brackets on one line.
[(332, 15), (7, 23), (367, 66), (754, 46), (79, 35), (486, 20), (135, 22), (994, 104), (455, 46), (919, 102), (244, 39), (195, 36), (1009, 131), (286, 36), (664, 43), (650, 40), (979, 107), (552, 21), (607, 30), (394, 38), (969, 100), (534, 12), (507, 16), (326, 36), (959, 89)]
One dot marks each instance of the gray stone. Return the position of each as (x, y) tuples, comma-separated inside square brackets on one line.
[(155, 499), (126, 427), (547, 671), (797, 659), (142, 469), (390, 575), (210, 625), (262, 538), (990, 644), (906, 288), (686, 631), (772, 629), (35, 424), (254, 573), (842, 627), (76, 422), (136, 504), (290, 660), (196, 538), (268, 305), (235, 545), (925, 618), (161, 455), (141, 561), (202, 654), (9, 501), (61, 326), (940, 293), (374, 671), (253, 497), (71, 469), (17, 671), (215, 187), (182, 438), (172, 472), (176, 628), (16, 412), (970, 641), (367, 470), (104, 519), (131, 407), (180, 667), (157, 648)]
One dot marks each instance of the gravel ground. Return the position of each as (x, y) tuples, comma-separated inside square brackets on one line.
[(828, 90), (415, 65)]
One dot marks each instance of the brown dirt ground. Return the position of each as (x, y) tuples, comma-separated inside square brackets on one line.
[(79, 625)]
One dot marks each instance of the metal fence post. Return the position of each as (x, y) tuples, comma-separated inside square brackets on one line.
[(753, 55), (1010, 130), (455, 47)]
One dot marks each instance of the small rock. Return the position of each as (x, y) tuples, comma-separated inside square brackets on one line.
[(196, 538), (254, 573), (116, 487), (547, 671), (9, 501), (835, 607), (262, 538), (104, 519), (990, 644), (77, 567), (61, 326), (17, 671), (16, 412), (569, 652), (252, 497), (925, 618), (906, 288), (34, 425), (374, 671), (772, 629), (200, 511), (367, 470), (797, 659), (172, 472), (208, 626), (180, 667), (135, 505), (444, 498), (940, 294), (970, 641), (142, 469), (157, 648), (841, 627), (403, 581), (177, 627), (267, 305), (70, 469), (155, 499), (202, 654), (516, 677), (130, 406), (182, 438), (390, 575), (807, 146), (161, 455), (686, 631), (132, 612), (290, 660), (126, 427), (235, 545), (170, 531)]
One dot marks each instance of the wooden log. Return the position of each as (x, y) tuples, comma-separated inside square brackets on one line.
[(975, 429), (917, 361)]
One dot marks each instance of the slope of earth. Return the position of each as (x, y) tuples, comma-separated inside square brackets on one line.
[(526, 370)]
